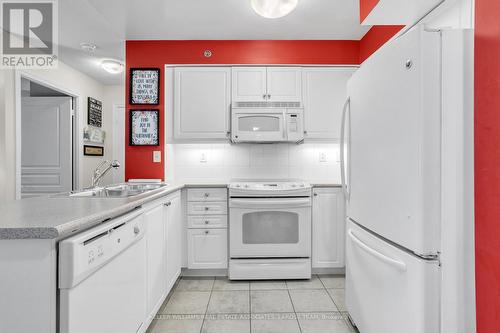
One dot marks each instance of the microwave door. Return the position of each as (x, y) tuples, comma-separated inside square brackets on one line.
[(251, 126)]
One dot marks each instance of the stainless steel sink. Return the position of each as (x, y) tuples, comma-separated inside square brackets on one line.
[(116, 191)]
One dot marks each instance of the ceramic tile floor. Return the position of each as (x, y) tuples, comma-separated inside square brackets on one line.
[(217, 305)]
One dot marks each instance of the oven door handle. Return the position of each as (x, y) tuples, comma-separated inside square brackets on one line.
[(270, 203)]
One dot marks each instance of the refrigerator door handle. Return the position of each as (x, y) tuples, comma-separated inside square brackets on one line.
[(342, 150), (393, 262)]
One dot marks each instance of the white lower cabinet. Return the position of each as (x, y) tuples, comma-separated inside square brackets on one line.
[(173, 232), (156, 263), (328, 237), (163, 219), (207, 228), (207, 248)]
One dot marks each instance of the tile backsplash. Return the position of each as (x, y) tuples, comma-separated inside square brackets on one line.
[(315, 162)]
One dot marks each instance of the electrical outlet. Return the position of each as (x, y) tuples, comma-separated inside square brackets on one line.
[(203, 157), (322, 157), (157, 156)]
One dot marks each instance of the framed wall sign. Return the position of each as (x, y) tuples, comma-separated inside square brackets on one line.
[(144, 128), (144, 86), (94, 114), (93, 150)]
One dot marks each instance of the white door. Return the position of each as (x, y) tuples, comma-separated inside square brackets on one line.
[(207, 248), (202, 97), (46, 145), (264, 125), (395, 139), (284, 84), (156, 260), (174, 227), (276, 227), (249, 84), (324, 92), (389, 290), (119, 142), (328, 220)]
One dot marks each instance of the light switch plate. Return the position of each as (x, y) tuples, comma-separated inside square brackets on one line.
[(157, 156)]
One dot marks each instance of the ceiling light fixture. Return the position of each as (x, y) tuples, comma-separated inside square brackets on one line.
[(112, 66), (273, 8)]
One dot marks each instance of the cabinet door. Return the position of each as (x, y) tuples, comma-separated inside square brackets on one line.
[(249, 84), (174, 224), (202, 98), (207, 248), (325, 91), (284, 84), (156, 257), (328, 228)]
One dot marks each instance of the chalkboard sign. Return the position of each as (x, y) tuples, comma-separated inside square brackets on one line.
[(94, 114), (144, 86), (144, 128)]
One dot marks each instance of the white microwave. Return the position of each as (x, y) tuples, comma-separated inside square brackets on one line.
[(267, 124)]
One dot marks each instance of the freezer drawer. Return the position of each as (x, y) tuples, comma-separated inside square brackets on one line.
[(389, 290)]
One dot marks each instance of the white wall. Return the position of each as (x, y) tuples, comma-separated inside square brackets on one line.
[(74, 82), (252, 161)]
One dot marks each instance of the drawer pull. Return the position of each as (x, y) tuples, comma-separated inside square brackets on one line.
[(167, 204), (206, 232), (207, 222), (207, 195), (206, 208)]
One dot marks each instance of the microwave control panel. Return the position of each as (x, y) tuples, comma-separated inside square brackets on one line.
[(295, 124)]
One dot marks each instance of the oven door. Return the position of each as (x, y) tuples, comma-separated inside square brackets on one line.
[(258, 125), (270, 227)]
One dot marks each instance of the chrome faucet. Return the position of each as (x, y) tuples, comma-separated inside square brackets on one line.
[(98, 173)]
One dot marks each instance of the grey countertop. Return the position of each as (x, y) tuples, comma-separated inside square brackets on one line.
[(59, 217)]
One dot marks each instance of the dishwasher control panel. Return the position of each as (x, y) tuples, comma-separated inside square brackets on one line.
[(84, 253)]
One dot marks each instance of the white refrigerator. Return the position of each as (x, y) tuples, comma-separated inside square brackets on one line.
[(391, 155)]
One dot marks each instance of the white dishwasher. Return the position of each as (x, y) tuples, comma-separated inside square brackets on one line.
[(102, 278)]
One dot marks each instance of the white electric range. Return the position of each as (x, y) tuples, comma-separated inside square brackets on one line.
[(269, 230)]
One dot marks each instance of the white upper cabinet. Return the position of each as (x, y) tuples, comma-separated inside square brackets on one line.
[(249, 84), (328, 219), (284, 84), (202, 98), (276, 84), (325, 92)]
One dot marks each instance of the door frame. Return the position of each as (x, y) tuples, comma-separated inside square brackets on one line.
[(117, 108), (76, 160)]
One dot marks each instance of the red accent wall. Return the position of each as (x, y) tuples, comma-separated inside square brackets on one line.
[(375, 38), (365, 7), (487, 161), (139, 160)]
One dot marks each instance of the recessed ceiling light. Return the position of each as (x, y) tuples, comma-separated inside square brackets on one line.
[(112, 66), (274, 8), (88, 47)]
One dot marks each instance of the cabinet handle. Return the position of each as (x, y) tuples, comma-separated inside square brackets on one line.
[(264, 96), (268, 96), (315, 194), (167, 204), (207, 222), (206, 232), (206, 195), (206, 208), (136, 230)]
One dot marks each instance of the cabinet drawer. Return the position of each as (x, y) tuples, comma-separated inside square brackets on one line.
[(207, 248), (207, 208), (216, 221), (207, 194)]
